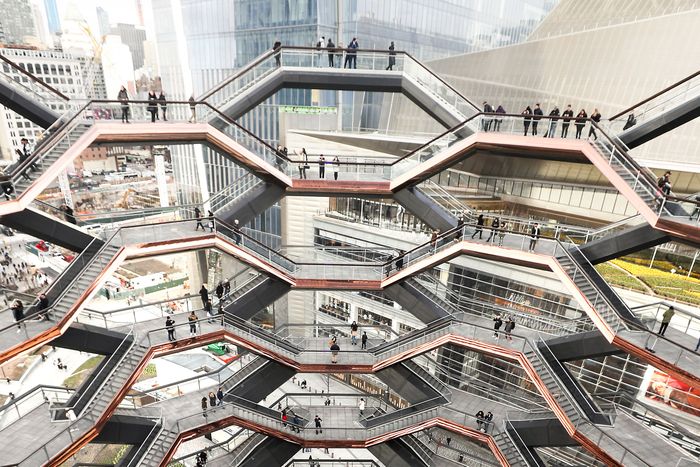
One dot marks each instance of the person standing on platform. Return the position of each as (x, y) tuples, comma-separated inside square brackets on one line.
[(336, 167), (353, 333), (193, 110), (330, 46), (364, 340), (568, 114), (278, 53), (479, 226), (554, 118), (123, 98), (170, 327), (163, 105), (526, 118), (580, 122), (536, 118), (534, 236), (198, 216), (321, 167), (204, 295), (392, 57), (152, 106), (497, 323), (192, 318), (666, 320)]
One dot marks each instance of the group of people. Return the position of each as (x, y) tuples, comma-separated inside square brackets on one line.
[(154, 102), (304, 164), (335, 53), (499, 227), (532, 117), (483, 421), (40, 312), (507, 329), (212, 400)]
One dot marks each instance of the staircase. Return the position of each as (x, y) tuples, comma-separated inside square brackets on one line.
[(44, 157), (508, 449)]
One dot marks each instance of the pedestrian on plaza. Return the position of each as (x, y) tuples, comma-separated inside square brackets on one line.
[(510, 325), (163, 105), (335, 348), (580, 122), (210, 217), (631, 121), (537, 115), (69, 214), (554, 118), (479, 419), (495, 226), (204, 406), (193, 110), (534, 236), (204, 295), (192, 319), (364, 340), (351, 54), (212, 399), (501, 233), (170, 327), (336, 167), (317, 422), (220, 396), (479, 226), (362, 405), (392, 57), (497, 323), (665, 320), (595, 116), (486, 123), (303, 163), (198, 216), (526, 118), (277, 52), (18, 313), (353, 333), (219, 290), (330, 46), (209, 311), (152, 106), (487, 421), (43, 307), (123, 98), (321, 166), (568, 114), (499, 118)]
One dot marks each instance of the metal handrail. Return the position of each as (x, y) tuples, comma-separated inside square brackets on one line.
[(654, 96), (33, 78), (129, 338)]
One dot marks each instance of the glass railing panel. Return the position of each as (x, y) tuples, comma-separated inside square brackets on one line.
[(440, 89), (656, 105)]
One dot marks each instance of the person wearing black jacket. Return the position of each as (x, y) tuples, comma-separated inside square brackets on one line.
[(486, 123), (123, 98), (552, 131), (392, 57), (580, 122), (330, 46), (153, 106), (535, 120), (479, 226), (568, 115), (276, 47), (595, 116), (204, 295), (526, 119), (163, 105)]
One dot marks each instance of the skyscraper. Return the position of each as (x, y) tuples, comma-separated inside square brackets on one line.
[(17, 21), (52, 16)]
